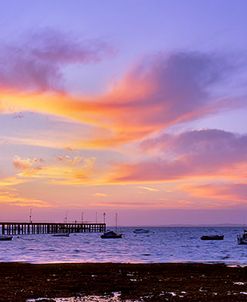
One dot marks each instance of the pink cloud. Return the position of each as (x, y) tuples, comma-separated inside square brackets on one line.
[(27, 163), (194, 153)]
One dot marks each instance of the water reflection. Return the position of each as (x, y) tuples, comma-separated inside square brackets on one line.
[(116, 297)]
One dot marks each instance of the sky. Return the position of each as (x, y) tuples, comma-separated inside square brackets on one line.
[(131, 107)]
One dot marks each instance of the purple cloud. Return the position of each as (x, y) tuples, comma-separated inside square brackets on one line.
[(181, 86), (35, 62), (209, 143)]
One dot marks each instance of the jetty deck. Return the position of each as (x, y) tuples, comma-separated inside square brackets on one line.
[(26, 228)]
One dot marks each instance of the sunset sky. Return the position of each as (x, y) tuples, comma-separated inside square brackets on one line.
[(137, 107)]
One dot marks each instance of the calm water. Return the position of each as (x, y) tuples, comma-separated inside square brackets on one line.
[(165, 244)]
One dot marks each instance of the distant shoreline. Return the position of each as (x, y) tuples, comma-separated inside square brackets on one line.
[(155, 282), (184, 226)]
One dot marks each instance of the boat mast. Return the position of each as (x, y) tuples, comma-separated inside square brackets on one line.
[(30, 215), (116, 217)]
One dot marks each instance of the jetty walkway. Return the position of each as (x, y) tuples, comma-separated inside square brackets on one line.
[(26, 228)]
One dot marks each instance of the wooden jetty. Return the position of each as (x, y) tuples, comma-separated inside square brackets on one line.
[(26, 228)]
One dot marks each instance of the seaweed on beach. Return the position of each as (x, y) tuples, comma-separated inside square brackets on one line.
[(135, 282)]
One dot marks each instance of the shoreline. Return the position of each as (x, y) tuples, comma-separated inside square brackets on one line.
[(209, 262), (135, 281)]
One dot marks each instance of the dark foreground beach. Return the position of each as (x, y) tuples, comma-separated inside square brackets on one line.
[(136, 282)]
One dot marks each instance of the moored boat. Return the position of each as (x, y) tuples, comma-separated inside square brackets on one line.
[(6, 237), (111, 235), (242, 239), (212, 237), (140, 231)]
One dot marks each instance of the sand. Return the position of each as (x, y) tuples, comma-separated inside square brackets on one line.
[(134, 282)]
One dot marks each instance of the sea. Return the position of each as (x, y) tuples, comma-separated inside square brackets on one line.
[(160, 245)]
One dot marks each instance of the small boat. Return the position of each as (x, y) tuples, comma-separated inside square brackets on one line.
[(5, 237), (61, 235), (242, 239), (212, 237), (140, 231), (111, 235)]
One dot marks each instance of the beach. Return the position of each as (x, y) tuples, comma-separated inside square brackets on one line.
[(131, 282)]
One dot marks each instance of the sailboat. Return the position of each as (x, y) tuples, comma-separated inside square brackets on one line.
[(112, 234)]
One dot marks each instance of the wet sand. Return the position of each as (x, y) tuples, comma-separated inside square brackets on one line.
[(139, 282)]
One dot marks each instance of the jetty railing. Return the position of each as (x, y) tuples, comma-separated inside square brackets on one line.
[(26, 228)]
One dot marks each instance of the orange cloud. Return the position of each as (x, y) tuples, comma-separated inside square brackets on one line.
[(9, 195), (101, 195), (12, 199), (10, 181), (234, 193), (66, 171), (149, 98)]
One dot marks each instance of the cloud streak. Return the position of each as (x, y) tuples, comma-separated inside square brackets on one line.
[(225, 193), (12, 198)]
